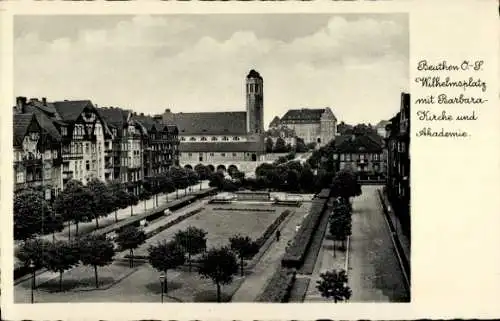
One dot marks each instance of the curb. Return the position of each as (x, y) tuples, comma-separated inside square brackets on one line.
[(397, 244)]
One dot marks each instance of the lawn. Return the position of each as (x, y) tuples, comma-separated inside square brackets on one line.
[(249, 220)]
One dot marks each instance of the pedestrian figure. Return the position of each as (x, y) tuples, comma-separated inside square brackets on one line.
[(278, 234)]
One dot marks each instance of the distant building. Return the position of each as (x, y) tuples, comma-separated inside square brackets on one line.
[(275, 123), (223, 136), (381, 128), (398, 161), (283, 132), (361, 153), (312, 125)]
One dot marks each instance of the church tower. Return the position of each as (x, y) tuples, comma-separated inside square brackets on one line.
[(255, 103)]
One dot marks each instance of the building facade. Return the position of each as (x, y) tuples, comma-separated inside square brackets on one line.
[(362, 154), (209, 137), (55, 142), (398, 161), (312, 125)]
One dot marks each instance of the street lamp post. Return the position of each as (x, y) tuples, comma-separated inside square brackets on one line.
[(32, 267), (162, 280)]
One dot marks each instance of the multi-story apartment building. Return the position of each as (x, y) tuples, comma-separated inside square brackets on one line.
[(363, 154), (37, 154), (59, 141), (312, 125), (398, 161)]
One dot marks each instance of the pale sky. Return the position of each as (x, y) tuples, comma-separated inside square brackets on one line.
[(355, 64)]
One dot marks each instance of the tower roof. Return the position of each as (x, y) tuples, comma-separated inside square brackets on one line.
[(254, 74)]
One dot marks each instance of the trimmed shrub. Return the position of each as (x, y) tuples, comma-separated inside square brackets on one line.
[(295, 254), (279, 287)]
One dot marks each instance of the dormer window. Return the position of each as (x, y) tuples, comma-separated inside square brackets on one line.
[(192, 139), (203, 139), (183, 138), (225, 138), (214, 138)]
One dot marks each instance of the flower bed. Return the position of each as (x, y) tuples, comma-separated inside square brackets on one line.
[(173, 222), (295, 254), (279, 287)]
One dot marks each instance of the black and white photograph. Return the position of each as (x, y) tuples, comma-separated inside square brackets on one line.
[(211, 158)]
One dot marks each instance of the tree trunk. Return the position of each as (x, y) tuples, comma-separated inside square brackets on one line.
[(334, 254), (96, 279), (218, 292), (97, 221), (156, 200), (116, 215), (165, 285), (131, 259), (166, 196), (131, 210), (34, 279), (177, 193), (76, 231), (53, 236), (69, 231), (145, 206), (241, 262), (60, 280)]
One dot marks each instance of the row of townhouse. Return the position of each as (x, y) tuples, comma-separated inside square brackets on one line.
[(398, 161), (55, 142)]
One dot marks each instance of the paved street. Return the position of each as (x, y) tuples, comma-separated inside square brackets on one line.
[(374, 274)]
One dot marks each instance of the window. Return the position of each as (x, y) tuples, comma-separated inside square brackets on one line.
[(348, 157), (361, 157), (223, 154), (211, 154), (236, 138), (192, 139), (87, 148), (87, 165), (183, 138), (335, 156), (64, 131), (342, 157), (214, 138), (225, 138), (20, 177), (203, 139), (234, 154), (190, 154)]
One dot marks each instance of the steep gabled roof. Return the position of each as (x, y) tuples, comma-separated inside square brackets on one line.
[(303, 114), (44, 121), (275, 122), (212, 123), (116, 117), (69, 110), (20, 124), (357, 144)]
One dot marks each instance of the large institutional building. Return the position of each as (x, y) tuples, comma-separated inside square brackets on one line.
[(209, 137), (312, 125)]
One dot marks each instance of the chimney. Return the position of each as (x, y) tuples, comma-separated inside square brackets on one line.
[(142, 114), (167, 111), (44, 101), (20, 104)]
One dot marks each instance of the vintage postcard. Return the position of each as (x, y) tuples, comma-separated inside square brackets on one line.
[(186, 160)]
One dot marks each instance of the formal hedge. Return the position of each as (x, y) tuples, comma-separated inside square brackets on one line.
[(173, 222), (279, 287), (295, 254)]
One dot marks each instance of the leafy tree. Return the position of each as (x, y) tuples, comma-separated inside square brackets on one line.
[(269, 145), (32, 252), (132, 201), (167, 185), (292, 180), (306, 178), (130, 238), (340, 228), (32, 215), (59, 257), (193, 240), (165, 256), (219, 265), (179, 178), (311, 146), (300, 146), (145, 196), (102, 199), (333, 284), (202, 171), (74, 203), (244, 247), (118, 197), (96, 251), (216, 180), (346, 185), (280, 146)]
